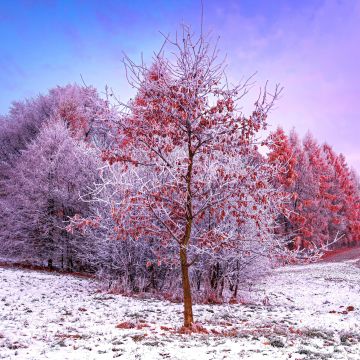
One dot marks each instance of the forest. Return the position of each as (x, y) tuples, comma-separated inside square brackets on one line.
[(176, 192)]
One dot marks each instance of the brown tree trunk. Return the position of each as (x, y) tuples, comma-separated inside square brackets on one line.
[(188, 313)]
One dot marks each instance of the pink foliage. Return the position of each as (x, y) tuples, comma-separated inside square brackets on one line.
[(324, 196)]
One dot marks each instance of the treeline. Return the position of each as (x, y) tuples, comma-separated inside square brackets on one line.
[(52, 165), (323, 192)]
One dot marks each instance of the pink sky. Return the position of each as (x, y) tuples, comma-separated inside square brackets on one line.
[(310, 47), (314, 53)]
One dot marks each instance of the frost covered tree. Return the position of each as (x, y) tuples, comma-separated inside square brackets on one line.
[(81, 109), (191, 179), (85, 116), (282, 156), (42, 192), (343, 195), (324, 196), (306, 181)]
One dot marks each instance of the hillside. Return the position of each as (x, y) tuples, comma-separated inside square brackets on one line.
[(298, 312)]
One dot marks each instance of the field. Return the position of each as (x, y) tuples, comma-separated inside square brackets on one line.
[(297, 312)]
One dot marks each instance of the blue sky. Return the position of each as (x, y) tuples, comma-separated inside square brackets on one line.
[(310, 47)]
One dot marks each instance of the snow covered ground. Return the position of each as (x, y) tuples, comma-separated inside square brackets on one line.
[(298, 312)]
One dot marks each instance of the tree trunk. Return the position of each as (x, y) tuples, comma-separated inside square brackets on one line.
[(188, 313)]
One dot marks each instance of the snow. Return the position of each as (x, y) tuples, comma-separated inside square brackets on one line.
[(297, 312)]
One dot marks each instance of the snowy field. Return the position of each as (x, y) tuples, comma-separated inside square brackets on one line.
[(299, 312)]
